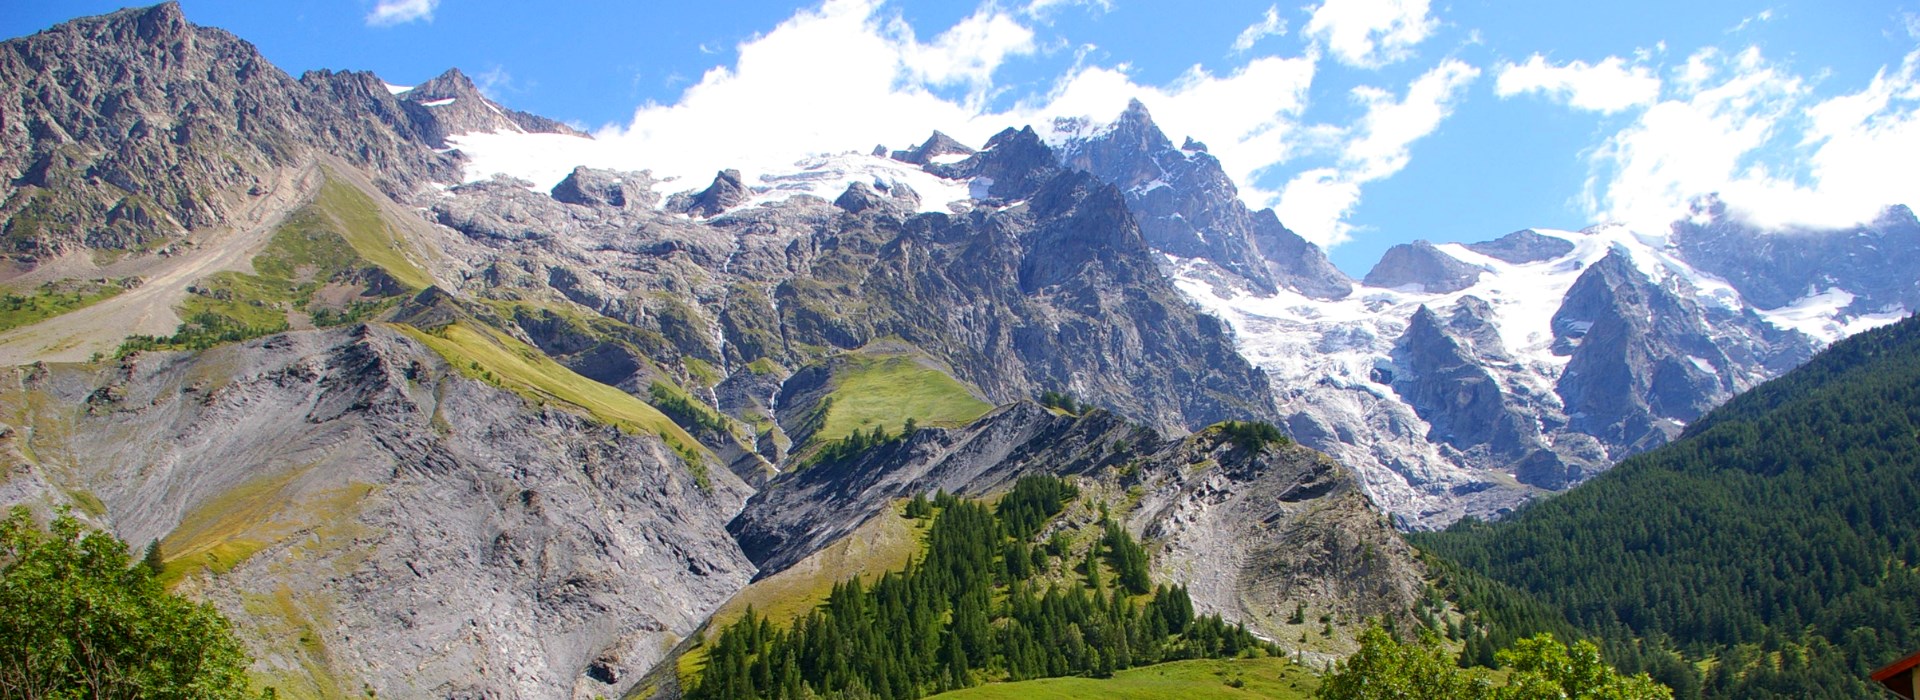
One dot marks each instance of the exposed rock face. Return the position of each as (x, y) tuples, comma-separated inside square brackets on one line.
[(1187, 206), (126, 130), (1773, 269), (1058, 292), (937, 145), (1420, 267), (428, 534), (724, 193), (1524, 246), (1442, 400), (1645, 358), (450, 104), (1255, 535), (1450, 373), (589, 187), (1252, 533)]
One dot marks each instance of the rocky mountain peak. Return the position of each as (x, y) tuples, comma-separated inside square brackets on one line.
[(452, 83), (1772, 269), (939, 144), (163, 20), (1524, 246), (725, 192), (1135, 126), (593, 187), (451, 104), (1014, 164), (1419, 266), (1188, 207)]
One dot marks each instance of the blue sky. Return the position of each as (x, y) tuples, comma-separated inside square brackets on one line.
[(1367, 122)]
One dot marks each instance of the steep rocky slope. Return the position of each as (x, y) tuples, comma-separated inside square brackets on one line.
[(426, 438), (1456, 378), (374, 519), (1253, 529), (1188, 207)]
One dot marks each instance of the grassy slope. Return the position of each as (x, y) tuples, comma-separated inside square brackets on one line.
[(51, 300), (327, 240), (1204, 679), (371, 236), (883, 544), (522, 369), (885, 390)]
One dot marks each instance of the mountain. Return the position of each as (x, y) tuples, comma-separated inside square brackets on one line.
[(1481, 375), (1773, 542), (1188, 207), (428, 415), (1469, 379), (424, 431)]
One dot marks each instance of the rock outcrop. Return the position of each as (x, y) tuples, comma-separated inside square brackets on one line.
[(1187, 206), (378, 520), (1420, 267), (1253, 530)]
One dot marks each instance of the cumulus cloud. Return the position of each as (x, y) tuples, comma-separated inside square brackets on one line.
[(1317, 202), (1040, 9), (391, 12), (1752, 132), (1269, 25), (1370, 33), (848, 74), (1608, 86), (1247, 118), (968, 53)]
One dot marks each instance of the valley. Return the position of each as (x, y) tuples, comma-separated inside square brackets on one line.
[(432, 397)]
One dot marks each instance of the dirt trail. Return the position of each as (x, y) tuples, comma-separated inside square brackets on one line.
[(149, 308)]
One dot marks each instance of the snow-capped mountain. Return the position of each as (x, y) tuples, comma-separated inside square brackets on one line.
[(1456, 378), (1462, 379)]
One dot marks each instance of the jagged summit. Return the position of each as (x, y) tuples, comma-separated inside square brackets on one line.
[(450, 105), (1420, 267), (1188, 207), (937, 148)]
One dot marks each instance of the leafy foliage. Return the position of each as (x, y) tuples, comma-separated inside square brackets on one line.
[(1778, 538), (1252, 435), (848, 447), (80, 618), (1034, 500), (1542, 669), (1064, 402), (1127, 557), (53, 299), (681, 407), (961, 616)]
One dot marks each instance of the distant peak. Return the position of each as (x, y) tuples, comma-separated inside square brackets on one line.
[(452, 83), (164, 19)]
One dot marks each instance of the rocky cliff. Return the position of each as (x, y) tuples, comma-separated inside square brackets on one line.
[(1188, 207), (373, 518)]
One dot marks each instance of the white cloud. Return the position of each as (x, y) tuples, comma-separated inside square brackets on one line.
[(1731, 130), (1764, 16), (1041, 9), (1370, 33), (1269, 25), (1608, 86), (1247, 118), (967, 53), (1315, 203), (391, 12), (494, 81), (848, 74), (830, 79)]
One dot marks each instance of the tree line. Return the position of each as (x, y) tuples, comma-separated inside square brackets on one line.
[(970, 611)]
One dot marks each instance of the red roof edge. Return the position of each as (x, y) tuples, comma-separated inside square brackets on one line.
[(1894, 669)]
